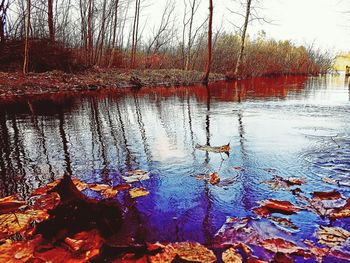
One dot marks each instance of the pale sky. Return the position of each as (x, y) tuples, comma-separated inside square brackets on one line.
[(301, 21)]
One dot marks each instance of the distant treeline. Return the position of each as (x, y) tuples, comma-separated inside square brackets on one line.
[(71, 35)]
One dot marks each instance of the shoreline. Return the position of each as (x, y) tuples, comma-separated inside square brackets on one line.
[(15, 85)]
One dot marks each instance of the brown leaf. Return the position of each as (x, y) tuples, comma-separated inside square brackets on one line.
[(318, 252), (122, 187), (10, 204), (285, 222), (280, 245), (214, 178), (341, 212), (137, 192), (332, 236), (277, 206), (231, 256), (332, 195), (282, 258), (190, 251)]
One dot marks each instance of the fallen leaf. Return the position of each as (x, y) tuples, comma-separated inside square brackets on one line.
[(136, 178), (215, 149), (136, 172), (285, 222), (190, 251), (282, 258), (332, 236), (214, 178), (122, 187), (280, 245), (16, 222), (332, 195), (277, 206), (278, 182), (341, 212), (318, 252), (10, 204), (231, 256), (109, 192), (137, 192)]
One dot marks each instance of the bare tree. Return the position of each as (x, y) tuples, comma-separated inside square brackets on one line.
[(3, 9), (50, 20), (164, 33), (210, 26), (243, 36), (114, 29), (135, 33), (26, 45)]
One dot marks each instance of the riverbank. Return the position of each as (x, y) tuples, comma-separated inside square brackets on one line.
[(15, 84)]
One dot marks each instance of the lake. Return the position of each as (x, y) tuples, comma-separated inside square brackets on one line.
[(287, 126)]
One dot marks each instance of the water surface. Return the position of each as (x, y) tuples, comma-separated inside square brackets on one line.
[(289, 126)]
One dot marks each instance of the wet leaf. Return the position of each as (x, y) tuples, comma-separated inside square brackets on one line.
[(276, 206), (122, 187), (190, 251), (280, 245), (79, 184), (318, 252), (285, 222), (46, 201), (136, 172), (214, 178), (137, 192), (215, 149), (278, 182), (332, 236), (341, 212), (136, 177), (106, 190), (10, 204), (109, 192), (16, 222), (231, 256), (332, 195)]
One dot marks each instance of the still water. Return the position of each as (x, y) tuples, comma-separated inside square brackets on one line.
[(290, 126)]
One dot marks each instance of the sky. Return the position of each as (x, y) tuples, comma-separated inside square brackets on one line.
[(322, 22)]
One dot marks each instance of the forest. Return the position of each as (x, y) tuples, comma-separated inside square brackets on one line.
[(71, 36)]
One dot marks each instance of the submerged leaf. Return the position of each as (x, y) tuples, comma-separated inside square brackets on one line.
[(332, 236), (332, 195), (189, 251), (280, 245), (137, 192), (231, 256)]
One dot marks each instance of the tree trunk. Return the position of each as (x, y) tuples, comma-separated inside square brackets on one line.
[(50, 20), (114, 32), (26, 45), (135, 34), (210, 26), (90, 43), (3, 9), (240, 56)]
